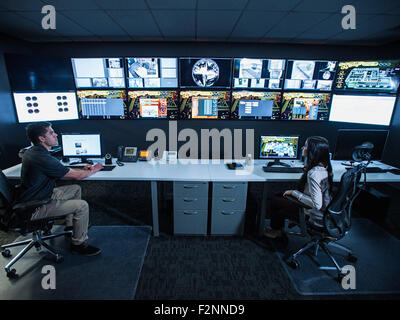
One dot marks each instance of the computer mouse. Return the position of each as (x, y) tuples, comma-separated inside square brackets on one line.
[(119, 163)]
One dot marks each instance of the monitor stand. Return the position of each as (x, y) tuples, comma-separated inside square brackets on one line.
[(83, 161), (277, 162)]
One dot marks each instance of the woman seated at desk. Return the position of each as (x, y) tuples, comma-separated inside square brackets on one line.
[(316, 185)]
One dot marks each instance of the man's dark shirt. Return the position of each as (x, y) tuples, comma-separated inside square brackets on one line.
[(40, 170)]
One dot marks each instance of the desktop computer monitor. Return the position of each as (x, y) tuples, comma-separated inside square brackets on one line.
[(83, 146), (279, 147), (347, 139)]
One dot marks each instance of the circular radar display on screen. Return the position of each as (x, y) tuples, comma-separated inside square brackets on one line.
[(205, 72)]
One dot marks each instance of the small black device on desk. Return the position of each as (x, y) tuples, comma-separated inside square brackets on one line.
[(283, 169), (234, 166), (105, 168)]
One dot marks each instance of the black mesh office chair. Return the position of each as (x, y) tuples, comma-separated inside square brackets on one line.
[(16, 217), (336, 222)]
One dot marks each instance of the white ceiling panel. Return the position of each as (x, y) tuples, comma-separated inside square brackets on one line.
[(172, 4), (22, 5), (325, 29), (121, 4), (333, 6), (73, 4), (254, 24), (219, 24), (221, 4), (282, 5), (176, 23)]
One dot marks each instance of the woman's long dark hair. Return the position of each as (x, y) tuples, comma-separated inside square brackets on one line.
[(317, 152)]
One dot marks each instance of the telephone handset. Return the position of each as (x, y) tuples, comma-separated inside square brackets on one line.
[(127, 154)]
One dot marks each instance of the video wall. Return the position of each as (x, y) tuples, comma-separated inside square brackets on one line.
[(175, 88)]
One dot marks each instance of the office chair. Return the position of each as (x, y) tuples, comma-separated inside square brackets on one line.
[(16, 217), (336, 221)]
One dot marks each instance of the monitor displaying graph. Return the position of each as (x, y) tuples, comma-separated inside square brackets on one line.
[(205, 105), (102, 104)]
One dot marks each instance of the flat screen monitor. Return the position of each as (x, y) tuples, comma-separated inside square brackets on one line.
[(102, 104), (98, 72), (205, 72), (362, 109), (256, 105), (279, 147), (152, 72), (39, 73), (310, 75), (368, 76), (305, 106), (153, 104), (347, 139), (81, 145), (45, 106), (258, 73), (205, 105)]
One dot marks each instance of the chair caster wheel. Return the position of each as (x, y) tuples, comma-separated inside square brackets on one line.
[(59, 258), (6, 253), (294, 264), (351, 258), (12, 274)]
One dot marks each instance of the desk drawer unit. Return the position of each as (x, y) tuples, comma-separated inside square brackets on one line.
[(228, 208), (190, 207)]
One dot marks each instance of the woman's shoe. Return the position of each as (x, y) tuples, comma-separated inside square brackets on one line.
[(273, 234)]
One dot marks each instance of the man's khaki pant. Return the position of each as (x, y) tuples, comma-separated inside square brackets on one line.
[(66, 200)]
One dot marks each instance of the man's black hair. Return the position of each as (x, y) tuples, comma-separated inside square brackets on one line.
[(34, 130)]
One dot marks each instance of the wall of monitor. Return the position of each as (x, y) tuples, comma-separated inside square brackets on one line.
[(301, 90)]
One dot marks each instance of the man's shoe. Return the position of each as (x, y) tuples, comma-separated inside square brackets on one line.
[(85, 249)]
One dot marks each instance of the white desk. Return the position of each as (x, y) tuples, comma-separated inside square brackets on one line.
[(209, 171)]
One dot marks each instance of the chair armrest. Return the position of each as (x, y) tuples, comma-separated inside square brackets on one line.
[(30, 205), (296, 201)]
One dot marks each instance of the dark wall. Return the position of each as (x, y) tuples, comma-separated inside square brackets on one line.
[(133, 132)]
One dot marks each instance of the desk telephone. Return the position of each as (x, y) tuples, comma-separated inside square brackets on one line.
[(127, 154)]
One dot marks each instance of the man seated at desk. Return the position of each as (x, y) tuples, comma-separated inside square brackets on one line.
[(40, 170)]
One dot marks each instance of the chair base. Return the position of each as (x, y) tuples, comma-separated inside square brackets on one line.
[(322, 243), (37, 241)]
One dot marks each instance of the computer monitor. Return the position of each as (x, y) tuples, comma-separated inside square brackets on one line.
[(368, 76), (153, 104), (83, 146), (278, 147), (205, 104), (362, 109), (347, 139), (98, 72), (258, 73), (45, 106), (152, 72), (305, 106), (257, 105), (310, 75), (102, 104)]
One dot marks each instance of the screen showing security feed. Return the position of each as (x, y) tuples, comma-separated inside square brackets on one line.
[(152, 72), (310, 75), (258, 73), (49, 106), (205, 105), (102, 104), (205, 72), (98, 72), (373, 76), (153, 104), (362, 109), (278, 147), (257, 105), (81, 145), (305, 106)]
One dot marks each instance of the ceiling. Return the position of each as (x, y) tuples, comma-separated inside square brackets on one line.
[(258, 21)]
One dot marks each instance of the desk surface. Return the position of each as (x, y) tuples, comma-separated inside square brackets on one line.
[(209, 170)]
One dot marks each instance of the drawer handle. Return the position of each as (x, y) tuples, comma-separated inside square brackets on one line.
[(190, 187), (189, 200), (190, 212), (228, 200), (230, 187), (227, 213)]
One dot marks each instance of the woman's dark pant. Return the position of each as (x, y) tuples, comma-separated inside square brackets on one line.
[(281, 209)]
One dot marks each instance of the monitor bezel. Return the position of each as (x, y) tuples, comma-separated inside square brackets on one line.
[(79, 156)]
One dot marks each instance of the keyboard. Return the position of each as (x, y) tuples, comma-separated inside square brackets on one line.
[(105, 168), (283, 169)]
